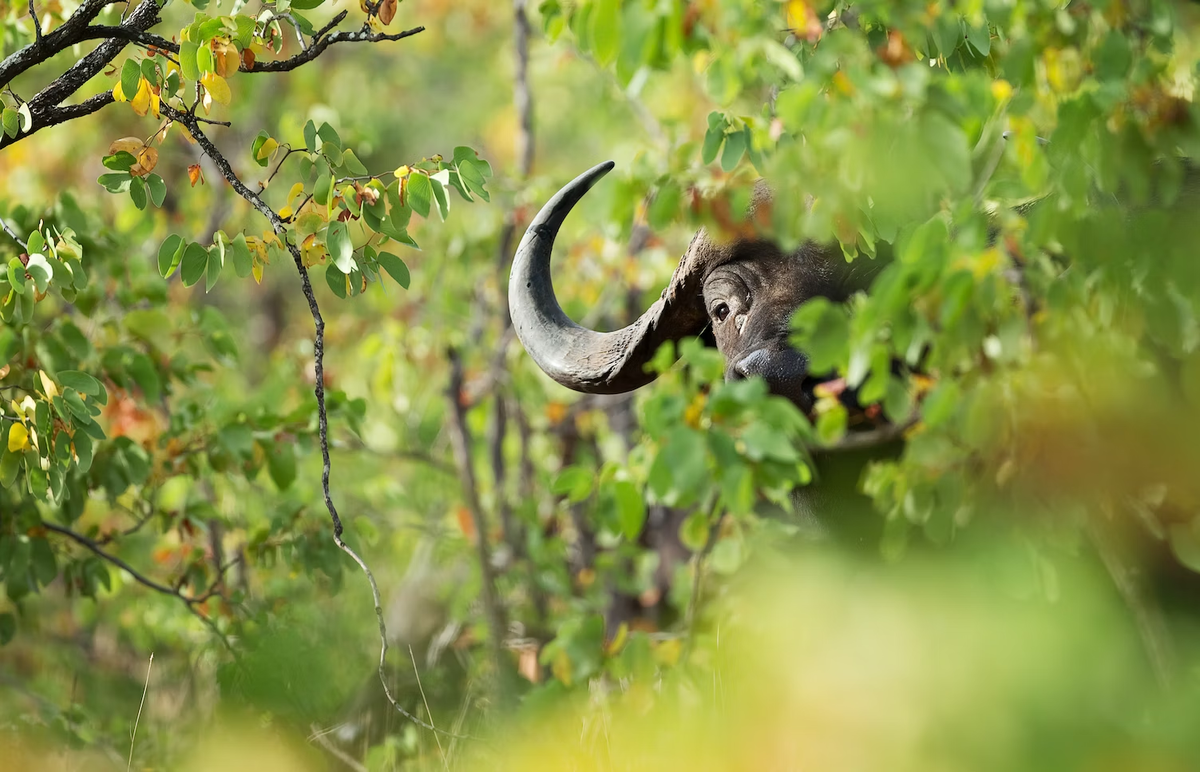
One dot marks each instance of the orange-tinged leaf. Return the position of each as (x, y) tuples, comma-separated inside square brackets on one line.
[(465, 523), (195, 174), (527, 664), (141, 100), (147, 159), (387, 11), (248, 59), (4, 370), (18, 438), (556, 412)]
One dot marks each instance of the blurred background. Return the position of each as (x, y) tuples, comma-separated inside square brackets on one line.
[(1013, 586)]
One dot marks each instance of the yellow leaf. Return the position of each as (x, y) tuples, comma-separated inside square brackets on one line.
[(402, 172), (561, 667), (217, 87), (48, 385), (296, 191), (18, 438), (257, 269), (155, 103), (141, 100), (129, 145), (269, 146), (285, 213), (118, 94)]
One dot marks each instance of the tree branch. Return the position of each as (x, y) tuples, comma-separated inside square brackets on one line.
[(318, 46), (461, 441), (43, 47), (191, 123), (43, 108)]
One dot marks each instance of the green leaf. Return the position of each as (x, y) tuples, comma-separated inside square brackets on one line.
[(980, 38), (328, 134), (735, 147), (420, 193), (8, 628), (42, 561), (193, 264), (11, 121), (158, 189), (574, 482), (281, 463), (40, 271), (631, 509), (239, 253), (169, 255), (187, 61), (142, 370), (822, 330), (437, 185), (150, 71), (606, 30), (115, 182), (131, 75), (137, 192), (216, 262), (321, 192), (310, 137), (336, 280), (83, 450), (694, 531), (16, 275), (79, 381), (395, 268), (337, 239), (712, 142), (120, 161), (352, 164), (256, 145)]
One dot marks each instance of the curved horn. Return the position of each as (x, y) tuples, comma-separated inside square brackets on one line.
[(579, 358)]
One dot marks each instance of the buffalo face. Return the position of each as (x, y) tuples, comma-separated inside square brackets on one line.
[(744, 291)]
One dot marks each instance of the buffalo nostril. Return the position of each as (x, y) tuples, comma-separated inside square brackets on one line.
[(753, 363)]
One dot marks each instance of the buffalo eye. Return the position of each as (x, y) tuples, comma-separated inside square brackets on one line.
[(721, 312)]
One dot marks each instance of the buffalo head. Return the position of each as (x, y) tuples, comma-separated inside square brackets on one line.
[(745, 291)]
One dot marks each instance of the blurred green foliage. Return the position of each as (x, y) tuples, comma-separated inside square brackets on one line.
[(1035, 319)]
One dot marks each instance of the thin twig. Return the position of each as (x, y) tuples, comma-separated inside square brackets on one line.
[(12, 234), (313, 51), (461, 441), (133, 735), (1151, 627), (37, 25), (428, 712), (318, 735)]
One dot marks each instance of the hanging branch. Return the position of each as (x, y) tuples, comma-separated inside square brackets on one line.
[(192, 124)]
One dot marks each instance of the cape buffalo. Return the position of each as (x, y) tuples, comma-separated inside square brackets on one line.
[(745, 290)]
